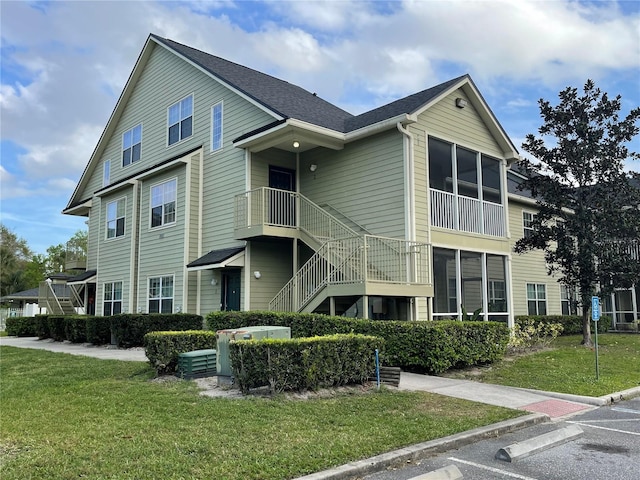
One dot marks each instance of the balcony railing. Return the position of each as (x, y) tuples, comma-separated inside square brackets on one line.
[(356, 260), (467, 214), (285, 209)]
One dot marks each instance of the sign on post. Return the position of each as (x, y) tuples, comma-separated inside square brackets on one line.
[(595, 309), (595, 316)]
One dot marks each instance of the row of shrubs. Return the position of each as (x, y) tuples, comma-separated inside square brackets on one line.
[(571, 324), (304, 363), (128, 330), (430, 347)]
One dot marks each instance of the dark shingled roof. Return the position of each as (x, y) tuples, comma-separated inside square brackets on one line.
[(215, 256), (290, 101), (283, 98), (82, 277), (408, 105)]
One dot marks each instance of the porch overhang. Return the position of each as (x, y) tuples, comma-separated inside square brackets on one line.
[(284, 134), (87, 277), (223, 258)]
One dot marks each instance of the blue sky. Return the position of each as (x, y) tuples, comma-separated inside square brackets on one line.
[(64, 64)]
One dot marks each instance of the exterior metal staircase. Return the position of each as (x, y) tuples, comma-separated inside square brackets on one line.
[(57, 298), (345, 262)]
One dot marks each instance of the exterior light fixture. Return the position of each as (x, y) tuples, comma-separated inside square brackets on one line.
[(214, 282), (313, 167), (296, 144), (257, 274), (461, 102)]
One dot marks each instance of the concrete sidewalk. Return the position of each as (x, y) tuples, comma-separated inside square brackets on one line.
[(104, 352)]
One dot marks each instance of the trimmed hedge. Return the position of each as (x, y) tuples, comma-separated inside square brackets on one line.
[(162, 348), (430, 347), (571, 324), (98, 330), (57, 327), (303, 363), (75, 328), (42, 326), (129, 329), (21, 326)]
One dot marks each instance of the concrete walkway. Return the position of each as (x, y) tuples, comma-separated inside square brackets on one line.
[(104, 352)]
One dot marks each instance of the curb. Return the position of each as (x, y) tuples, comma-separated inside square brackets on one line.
[(420, 450), (596, 401)]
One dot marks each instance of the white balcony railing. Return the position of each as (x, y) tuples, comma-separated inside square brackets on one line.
[(467, 214)]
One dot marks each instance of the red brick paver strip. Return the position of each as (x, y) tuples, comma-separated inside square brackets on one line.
[(555, 408)]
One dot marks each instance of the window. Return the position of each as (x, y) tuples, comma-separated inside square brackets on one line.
[(565, 300), (467, 170), (115, 218), (536, 299), (161, 294), (163, 203), (527, 223), (216, 127), (181, 120), (131, 145), (112, 304), (490, 179), (440, 166), (106, 173)]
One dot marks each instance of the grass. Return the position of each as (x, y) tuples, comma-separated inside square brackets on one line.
[(569, 367), (67, 416)]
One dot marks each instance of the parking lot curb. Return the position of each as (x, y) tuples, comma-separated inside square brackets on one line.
[(421, 450), (450, 472)]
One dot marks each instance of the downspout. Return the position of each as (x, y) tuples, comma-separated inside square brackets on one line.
[(410, 229), (134, 253), (410, 184)]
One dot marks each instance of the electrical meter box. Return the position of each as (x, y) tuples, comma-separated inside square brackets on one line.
[(223, 358)]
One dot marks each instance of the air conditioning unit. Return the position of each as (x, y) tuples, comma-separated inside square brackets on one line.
[(223, 362)]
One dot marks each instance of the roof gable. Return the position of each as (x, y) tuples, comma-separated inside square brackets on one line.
[(280, 97)]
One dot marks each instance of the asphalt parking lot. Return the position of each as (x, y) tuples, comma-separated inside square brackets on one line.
[(609, 448)]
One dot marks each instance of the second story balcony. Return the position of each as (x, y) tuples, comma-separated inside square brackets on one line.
[(467, 214)]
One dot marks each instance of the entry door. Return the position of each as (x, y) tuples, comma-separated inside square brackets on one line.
[(281, 203), (231, 290)]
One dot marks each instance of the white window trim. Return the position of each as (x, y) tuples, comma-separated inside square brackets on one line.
[(163, 225), (546, 297), (106, 173), (193, 119), (524, 228), (122, 148), (221, 105), (112, 301), (160, 298), (106, 223)]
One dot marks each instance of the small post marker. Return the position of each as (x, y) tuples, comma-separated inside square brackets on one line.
[(595, 316)]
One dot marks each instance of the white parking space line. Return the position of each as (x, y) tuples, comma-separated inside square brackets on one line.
[(626, 410), (605, 428), (616, 420), (491, 469)]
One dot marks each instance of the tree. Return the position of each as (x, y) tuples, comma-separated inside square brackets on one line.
[(14, 256), (58, 255), (584, 225)]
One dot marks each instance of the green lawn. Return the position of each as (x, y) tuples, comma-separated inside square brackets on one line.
[(568, 367), (67, 417)]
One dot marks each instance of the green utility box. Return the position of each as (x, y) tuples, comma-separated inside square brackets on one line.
[(199, 363), (244, 333)]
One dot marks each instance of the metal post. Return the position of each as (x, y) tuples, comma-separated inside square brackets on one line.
[(377, 369)]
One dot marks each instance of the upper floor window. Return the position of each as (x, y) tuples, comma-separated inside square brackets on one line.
[(106, 173), (131, 145), (112, 304), (181, 120), (527, 223), (161, 294), (216, 127), (163, 203), (115, 218)]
